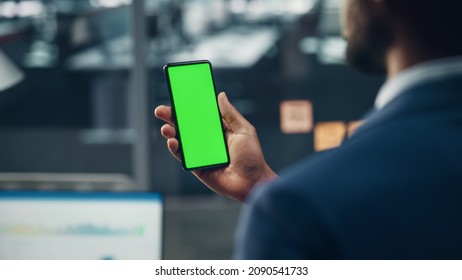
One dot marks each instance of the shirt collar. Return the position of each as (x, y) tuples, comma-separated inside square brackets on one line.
[(419, 74)]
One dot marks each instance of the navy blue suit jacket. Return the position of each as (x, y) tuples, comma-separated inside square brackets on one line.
[(392, 191)]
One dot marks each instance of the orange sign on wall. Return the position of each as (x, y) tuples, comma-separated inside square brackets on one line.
[(328, 135), (296, 116)]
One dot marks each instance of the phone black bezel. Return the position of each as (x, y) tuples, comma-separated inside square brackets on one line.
[(178, 133)]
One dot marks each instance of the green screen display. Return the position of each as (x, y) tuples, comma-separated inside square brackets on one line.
[(198, 118)]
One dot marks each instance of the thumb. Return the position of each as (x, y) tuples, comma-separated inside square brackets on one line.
[(231, 115)]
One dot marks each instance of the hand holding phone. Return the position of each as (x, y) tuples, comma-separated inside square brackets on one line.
[(247, 166)]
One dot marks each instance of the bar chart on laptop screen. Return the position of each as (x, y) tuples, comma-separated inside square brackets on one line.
[(82, 227)]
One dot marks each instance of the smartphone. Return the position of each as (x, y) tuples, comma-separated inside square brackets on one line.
[(195, 110)]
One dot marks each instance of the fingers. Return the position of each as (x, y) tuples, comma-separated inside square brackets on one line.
[(173, 145), (164, 113), (234, 120), (168, 131)]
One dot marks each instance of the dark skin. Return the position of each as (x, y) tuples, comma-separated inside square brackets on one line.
[(248, 167)]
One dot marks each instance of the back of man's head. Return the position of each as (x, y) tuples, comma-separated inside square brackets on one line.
[(426, 28), (434, 25)]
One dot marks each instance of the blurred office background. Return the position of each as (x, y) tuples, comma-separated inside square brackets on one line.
[(89, 75)]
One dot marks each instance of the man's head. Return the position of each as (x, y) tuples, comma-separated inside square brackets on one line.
[(373, 27)]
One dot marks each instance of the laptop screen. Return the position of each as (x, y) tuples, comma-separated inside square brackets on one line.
[(84, 226)]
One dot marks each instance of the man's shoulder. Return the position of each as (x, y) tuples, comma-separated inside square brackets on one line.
[(373, 165), (325, 178), (416, 133), (357, 162), (377, 193), (362, 199)]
